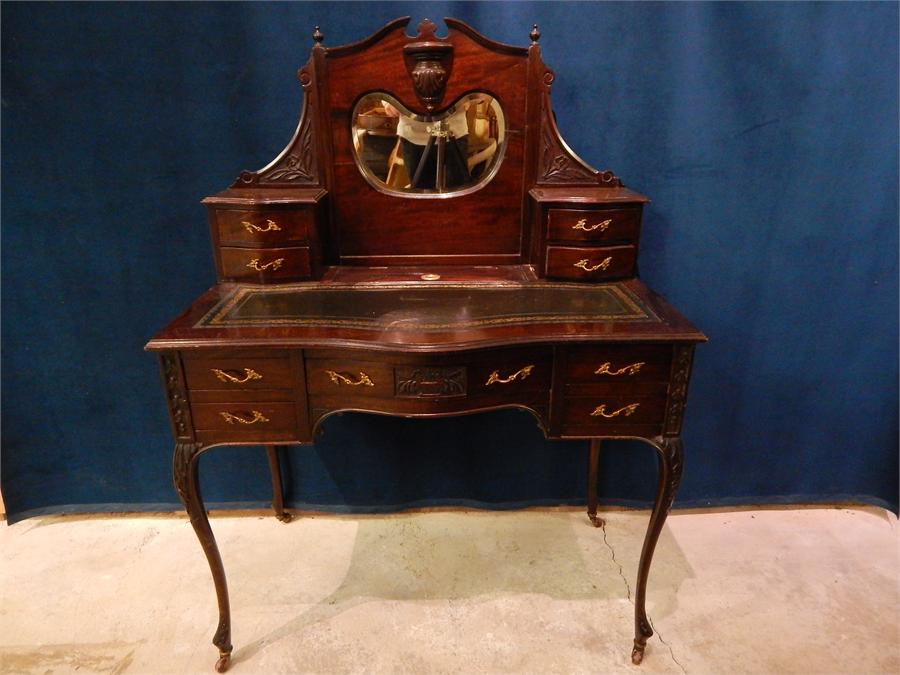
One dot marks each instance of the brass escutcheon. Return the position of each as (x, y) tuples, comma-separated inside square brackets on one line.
[(271, 226), (582, 225), (339, 378), (231, 418), (275, 264), (521, 374), (249, 374), (583, 264), (628, 410), (632, 369)]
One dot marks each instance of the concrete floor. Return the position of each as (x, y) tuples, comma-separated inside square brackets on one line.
[(538, 591)]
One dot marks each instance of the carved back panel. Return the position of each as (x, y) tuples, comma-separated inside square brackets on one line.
[(486, 223)]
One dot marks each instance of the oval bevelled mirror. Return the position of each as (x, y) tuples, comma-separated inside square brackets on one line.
[(452, 150)]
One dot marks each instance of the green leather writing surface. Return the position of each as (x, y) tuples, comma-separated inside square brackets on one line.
[(438, 306)]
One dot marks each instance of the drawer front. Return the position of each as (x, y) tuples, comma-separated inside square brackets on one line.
[(245, 418), (593, 225), (590, 263), (265, 264), (485, 373), (623, 364), (613, 414), (346, 377), (263, 227), (235, 374)]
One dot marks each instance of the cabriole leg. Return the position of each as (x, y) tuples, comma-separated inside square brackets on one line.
[(277, 487), (671, 462), (593, 464), (184, 471)]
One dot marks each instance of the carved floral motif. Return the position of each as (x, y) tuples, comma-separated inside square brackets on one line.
[(678, 387), (298, 166), (176, 395), (430, 382)]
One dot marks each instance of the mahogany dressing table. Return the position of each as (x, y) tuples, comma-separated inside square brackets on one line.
[(426, 245)]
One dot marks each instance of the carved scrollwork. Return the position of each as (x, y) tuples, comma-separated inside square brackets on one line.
[(176, 395), (181, 470), (678, 388), (297, 164), (556, 162), (430, 382), (557, 165)]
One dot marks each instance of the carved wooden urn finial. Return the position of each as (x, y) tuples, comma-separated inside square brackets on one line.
[(428, 62), (535, 34), (318, 36)]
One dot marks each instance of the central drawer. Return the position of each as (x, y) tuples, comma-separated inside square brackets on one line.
[(481, 376)]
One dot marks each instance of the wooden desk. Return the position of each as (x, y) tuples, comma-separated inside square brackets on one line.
[(426, 306)]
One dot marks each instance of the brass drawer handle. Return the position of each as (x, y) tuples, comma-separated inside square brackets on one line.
[(521, 374), (633, 369), (603, 225), (231, 418), (628, 410), (271, 226), (583, 264), (339, 378), (275, 264), (249, 374)]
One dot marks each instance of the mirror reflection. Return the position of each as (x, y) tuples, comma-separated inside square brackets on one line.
[(448, 151)]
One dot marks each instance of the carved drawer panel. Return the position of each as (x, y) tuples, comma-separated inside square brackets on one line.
[(427, 381), (590, 263), (259, 265), (245, 417), (259, 227), (618, 364), (593, 225), (239, 373), (613, 413), (348, 377)]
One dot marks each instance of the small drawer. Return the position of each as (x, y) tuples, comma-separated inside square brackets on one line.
[(265, 264), (613, 414), (238, 373), (598, 363), (244, 418), (590, 263), (347, 377), (263, 227), (593, 225)]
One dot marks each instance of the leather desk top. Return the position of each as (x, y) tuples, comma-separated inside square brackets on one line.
[(425, 316)]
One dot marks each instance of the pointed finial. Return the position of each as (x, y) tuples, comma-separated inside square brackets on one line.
[(535, 34), (318, 36)]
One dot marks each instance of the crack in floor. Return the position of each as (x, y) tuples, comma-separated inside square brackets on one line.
[(612, 552), (668, 646)]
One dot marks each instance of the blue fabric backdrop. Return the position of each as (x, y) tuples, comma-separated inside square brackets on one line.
[(766, 135)]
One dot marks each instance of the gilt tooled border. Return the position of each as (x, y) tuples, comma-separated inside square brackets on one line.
[(216, 317)]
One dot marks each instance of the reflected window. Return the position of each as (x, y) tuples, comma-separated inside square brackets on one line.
[(448, 151)]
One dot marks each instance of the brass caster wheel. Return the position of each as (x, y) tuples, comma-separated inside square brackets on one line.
[(284, 517), (596, 520), (637, 655), (223, 663)]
